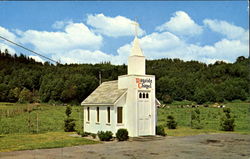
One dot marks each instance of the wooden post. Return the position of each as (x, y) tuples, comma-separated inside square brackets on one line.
[(36, 122), (79, 115)]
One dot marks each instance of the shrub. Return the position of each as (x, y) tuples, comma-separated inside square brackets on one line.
[(160, 130), (68, 111), (227, 121), (195, 119), (93, 135), (171, 123), (122, 134), (79, 132), (84, 134), (105, 136), (69, 125), (167, 99), (25, 96)]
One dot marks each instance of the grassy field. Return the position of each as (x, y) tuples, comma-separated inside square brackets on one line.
[(34, 126), (28, 118), (14, 142), (210, 118)]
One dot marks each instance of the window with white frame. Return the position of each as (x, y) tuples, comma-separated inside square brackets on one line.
[(88, 114), (97, 115), (119, 115), (108, 114)]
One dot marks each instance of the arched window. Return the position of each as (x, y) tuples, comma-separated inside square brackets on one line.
[(146, 95), (143, 95), (140, 95)]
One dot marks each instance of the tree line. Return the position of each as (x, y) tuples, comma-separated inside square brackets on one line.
[(22, 79)]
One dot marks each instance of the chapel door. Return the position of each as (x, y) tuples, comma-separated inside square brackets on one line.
[(144, 113)]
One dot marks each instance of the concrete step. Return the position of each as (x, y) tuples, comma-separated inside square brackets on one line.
[(147, 138)]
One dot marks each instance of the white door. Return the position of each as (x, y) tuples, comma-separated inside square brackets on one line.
[(144, 113)]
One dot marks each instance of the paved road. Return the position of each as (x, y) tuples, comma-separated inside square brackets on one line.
[(212, 146)]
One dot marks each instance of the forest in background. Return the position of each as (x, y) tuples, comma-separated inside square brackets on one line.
[(22, 79)]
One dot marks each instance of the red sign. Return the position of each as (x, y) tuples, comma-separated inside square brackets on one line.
[(138, 81), (144, 83)]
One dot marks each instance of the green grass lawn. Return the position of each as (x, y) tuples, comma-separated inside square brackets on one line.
[(16, 133), (210, 118), (18, 124), (15, 118), (14, 142)]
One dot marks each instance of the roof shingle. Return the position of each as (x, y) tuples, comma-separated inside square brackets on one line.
[(107, 93)]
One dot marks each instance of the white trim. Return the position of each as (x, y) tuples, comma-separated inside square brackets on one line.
[(120, 98), (137, 75), (98, 104), (158, 102), (120, 124)]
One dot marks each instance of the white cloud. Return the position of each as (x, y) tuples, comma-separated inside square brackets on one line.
[(4, 44), (112, 26), (10, 49), (181, 24), (76, 43), (61, 24), (75, 35), (7, 34), (167, 45), (229, 30), (83, 56), (160, 41), (97, 56), (37, 58), (230, 49)]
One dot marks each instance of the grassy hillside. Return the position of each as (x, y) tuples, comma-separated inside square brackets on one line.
[(24, 80)]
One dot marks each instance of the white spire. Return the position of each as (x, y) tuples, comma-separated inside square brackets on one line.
[(136, 49), (136, 60)]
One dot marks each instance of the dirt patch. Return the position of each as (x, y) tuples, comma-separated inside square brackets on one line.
[(212, 141), (208, 146)]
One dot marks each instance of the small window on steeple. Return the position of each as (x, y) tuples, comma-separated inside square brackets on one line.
[(143, 95), (140, 95), (146, 95)]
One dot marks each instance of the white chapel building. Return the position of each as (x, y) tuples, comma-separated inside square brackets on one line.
[(128, 102)]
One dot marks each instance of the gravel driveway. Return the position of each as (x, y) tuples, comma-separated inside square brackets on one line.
[(208, 146)]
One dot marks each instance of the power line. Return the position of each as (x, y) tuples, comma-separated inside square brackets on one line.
[(28, 49)]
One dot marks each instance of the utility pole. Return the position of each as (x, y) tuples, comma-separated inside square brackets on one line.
[(100, 77)]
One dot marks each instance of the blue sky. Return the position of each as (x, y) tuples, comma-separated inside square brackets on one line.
[(92, 32)]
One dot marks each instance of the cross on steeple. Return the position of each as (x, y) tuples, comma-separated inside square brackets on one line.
[(136, 27)]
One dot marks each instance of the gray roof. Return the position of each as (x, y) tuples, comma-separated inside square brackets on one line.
[(106, 94)]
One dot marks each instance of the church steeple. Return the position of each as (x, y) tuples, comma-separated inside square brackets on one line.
[(136, 60), (136, 50)]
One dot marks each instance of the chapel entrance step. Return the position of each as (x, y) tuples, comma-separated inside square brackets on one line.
[(147, 138)]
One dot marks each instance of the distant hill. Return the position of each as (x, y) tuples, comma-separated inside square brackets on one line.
[(25, 80)]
